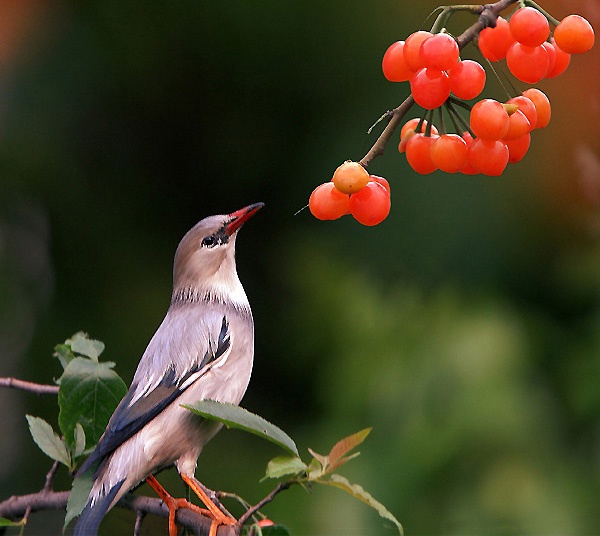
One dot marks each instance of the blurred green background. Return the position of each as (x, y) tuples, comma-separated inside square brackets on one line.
[(464, 329)]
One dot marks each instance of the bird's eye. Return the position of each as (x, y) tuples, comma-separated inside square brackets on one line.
[(209, 241)]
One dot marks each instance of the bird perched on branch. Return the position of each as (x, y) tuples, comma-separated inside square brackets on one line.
[(202, 350)]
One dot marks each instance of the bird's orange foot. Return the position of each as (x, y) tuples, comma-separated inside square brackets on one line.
[(219, 516), (174, 504), (212, 510)]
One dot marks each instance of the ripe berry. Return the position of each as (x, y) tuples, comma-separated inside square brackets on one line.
[(561, 61), (468, 168), (542, 106), (488, 157), (418, 153), (574, 35), (394, 65), (430, 88), (518, 148), (529, 27), (408, 130), (327, 203), (467, 79), (489, 120), (495, 42), (371, 205), (528, 64), (350, 177), (527, 107), (449, 153), (382, 181), (440, 52), (518, 125), (412, 47)]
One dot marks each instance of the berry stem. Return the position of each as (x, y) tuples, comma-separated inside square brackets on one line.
[(542, 11)]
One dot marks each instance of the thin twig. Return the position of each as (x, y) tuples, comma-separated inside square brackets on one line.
[(37, 388), (50, 477), (251, 511)]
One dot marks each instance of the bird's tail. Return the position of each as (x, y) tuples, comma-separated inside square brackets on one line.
[(95, 510)]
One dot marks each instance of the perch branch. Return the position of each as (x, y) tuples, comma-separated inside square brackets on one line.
[(37, 388)]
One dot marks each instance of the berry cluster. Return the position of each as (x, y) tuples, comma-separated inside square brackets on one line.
[(494, 134), (352, 191)]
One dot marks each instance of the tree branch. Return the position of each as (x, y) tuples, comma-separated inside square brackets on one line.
[(488, 14), (17, 506), (37, 388), (253, 509)]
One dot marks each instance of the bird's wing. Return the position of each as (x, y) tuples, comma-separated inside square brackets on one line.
[(150, 394)]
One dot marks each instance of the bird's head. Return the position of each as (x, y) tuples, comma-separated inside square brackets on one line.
[(205, 258)]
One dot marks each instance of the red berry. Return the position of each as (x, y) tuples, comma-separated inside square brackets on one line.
[(495, 42), (488, 157), (408, 130), (542, 106), (489, 120), (561, 61), (382, 181), (449, 153), (574, 35), (528, 64), (529, 27), (418, 153), (328, 203), (518, 148), (518, 125), (467, 79), (468, 168), (430, 88), (527, 107), (371, 205), (440, 52), (394, 65), (412, 47), (350, 177)]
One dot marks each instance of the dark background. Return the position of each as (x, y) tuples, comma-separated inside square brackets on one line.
[(464, 328)]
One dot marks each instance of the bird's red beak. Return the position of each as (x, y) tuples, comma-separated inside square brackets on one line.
[(239, 217)]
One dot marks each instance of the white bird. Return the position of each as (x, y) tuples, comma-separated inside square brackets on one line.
[(203, 349)]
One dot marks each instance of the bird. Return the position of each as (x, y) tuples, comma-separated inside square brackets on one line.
[(203, 349)]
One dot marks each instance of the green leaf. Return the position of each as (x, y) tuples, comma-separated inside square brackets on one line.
[(63, 353), (8, 523), (357, 491), (284, 466), (80, 491), (233, 416), (48, 440), (81, 344), (79, 440), (89, 393)]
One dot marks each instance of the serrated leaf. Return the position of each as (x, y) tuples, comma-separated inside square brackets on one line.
[(284, 466), (358, 491), (81, 344), (234, 416), (341, 461), (342, 447), (79, 440), (88, 394), (48, 440), (80, 491), (8, 523)]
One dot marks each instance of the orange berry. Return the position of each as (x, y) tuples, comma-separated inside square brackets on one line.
[(350, 177), (327, 203), (542, 106), (574, 35), (371, 205)]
